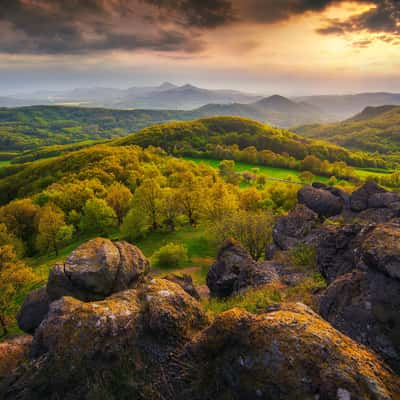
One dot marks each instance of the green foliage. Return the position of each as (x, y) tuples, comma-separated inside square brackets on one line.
[(15, 279), (374, 130), (98, 217), (304, 256), (134, 226), (172, 255), (27, 128), (251, 228), (239, 139)]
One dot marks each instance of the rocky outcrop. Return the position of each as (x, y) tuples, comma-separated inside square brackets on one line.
[(96, 269), (185, 282), (365, 306), (105, 348), (234, 270), (295, 228), (13, 352), (290, 353), (361, 198), (33, 310), (324, 201), (362, 265)]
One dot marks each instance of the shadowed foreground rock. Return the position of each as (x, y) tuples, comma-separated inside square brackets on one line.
[(234, 270), (286, 354), (14, 352), (362, 265), (114, 348)]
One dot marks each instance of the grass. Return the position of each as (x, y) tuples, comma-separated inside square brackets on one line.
[(269, 172), (4, 163), (366, 172)]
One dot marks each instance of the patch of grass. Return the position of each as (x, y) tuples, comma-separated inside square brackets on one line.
[(304, 257), (269, 172)]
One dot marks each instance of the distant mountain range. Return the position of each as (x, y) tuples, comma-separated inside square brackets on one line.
[(375, 129), (165, 96), (344, 106)]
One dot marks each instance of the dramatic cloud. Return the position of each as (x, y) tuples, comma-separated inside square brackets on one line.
[(78, 26), (82, 26), (384, 18)]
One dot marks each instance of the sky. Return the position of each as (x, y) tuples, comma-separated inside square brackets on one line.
[(290, 47)]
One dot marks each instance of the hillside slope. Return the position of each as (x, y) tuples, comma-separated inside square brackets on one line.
[(374, 129), (187, 138), (274, 110), (344, 106)]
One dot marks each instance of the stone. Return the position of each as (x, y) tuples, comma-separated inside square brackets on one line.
[(33, 310), (294, 228), (185, 282), (235, 270), (288, 353), (97, 269), (322, 201), (13, 352), (359, 199)]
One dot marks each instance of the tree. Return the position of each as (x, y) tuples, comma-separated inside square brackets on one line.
[(249, 199), (98, 216), (252, 229), (7, 238), (118, 198), (170, 207), (147, 201), (221, 201), (227, 171), (306, 177), (15, 278), (52, 229), (20, 218)]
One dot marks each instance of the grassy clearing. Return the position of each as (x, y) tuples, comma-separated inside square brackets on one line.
[(269, 172), (366, 172), (4, 163)]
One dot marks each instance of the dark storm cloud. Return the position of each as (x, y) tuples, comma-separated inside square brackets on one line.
[(82, 26), (76, 26), (384, 18)]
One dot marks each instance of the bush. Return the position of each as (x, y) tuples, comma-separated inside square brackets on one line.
[(171, 255), (304, 256)]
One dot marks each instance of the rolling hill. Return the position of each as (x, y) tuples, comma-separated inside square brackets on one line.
[(344, 106), (206, 135), (375, 129), (27, 128), (274, 110)]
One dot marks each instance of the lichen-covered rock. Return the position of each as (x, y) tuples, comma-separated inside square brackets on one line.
[(234, 270), (96, 269), (290, 353), (13, 352), (380, 249), (295, 228), (33, 310), (114, 348), (325, 203), (185, 282), (365, 306)]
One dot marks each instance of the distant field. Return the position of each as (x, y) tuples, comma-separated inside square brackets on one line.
[(4, 163), (269, 172), (365, 172)]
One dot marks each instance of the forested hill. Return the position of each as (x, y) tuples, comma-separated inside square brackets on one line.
[(222, 136), (31, 127), (375, 129), (27, 128)]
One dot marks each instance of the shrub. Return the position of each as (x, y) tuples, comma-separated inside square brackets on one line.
[(303, 256), (171, 255)]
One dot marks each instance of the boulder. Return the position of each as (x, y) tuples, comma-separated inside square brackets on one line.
[(33, 310), (234, 270), (119, 347), (360, 198), (13, 352), (380, 249), (295, 228), (336, 252), (96, 269), (289, 353), (185, 282), (326, 203), (365, 306)]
